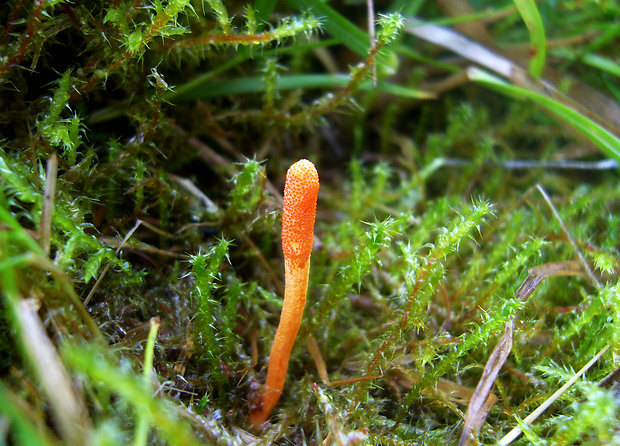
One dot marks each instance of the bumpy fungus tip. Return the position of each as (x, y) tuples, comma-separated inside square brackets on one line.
[(299, 211)]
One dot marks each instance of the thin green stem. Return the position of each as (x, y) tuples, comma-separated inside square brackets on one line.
[(142, 424)]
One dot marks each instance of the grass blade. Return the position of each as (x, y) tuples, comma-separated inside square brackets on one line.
[(602, 63), (334, 23), (529, 13), (91, 363), (344, 31), (25, 430), (601, 137), (255, 84)]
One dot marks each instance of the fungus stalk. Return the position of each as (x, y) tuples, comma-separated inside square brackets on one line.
[(298, 215)]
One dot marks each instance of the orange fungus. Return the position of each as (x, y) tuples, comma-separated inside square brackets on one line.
[(298, 213), (299, 210)]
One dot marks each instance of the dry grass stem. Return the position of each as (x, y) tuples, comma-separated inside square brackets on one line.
[(515, 432), (582, 259), (66, 403), (107, 266), (45, 230)]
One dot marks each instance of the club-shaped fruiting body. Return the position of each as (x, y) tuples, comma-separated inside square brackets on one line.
[(298, 215)]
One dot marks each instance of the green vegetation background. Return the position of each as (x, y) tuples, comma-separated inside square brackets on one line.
[(142, 155)]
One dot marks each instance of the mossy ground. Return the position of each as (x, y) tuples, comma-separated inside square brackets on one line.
[(140, 299)]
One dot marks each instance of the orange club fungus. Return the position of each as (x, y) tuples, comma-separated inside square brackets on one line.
[(298, 215)]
